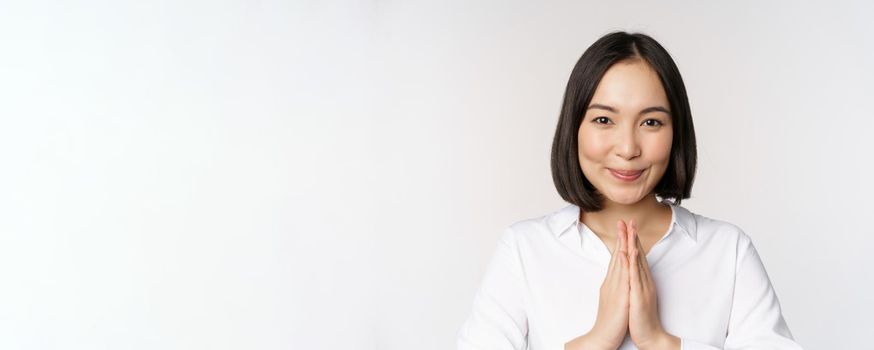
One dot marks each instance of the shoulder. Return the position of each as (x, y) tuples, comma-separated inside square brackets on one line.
[(536, 228), (710, 229)]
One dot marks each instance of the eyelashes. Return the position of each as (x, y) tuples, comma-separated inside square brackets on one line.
[(655, 120), (658, 122)]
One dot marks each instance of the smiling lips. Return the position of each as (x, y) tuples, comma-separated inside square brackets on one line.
[(626, 175)]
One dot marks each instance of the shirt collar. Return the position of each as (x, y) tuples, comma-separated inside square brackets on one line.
[(563, 219)]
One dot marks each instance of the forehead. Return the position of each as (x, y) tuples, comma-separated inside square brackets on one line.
[(630, 84)]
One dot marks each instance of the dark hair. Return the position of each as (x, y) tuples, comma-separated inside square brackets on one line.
[(569, 180)]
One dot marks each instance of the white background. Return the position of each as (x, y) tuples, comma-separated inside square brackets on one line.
[(334, 175)]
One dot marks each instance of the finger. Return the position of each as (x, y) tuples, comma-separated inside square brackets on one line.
[(620, 263), (623, 236), (639, 246), (634, 272), (637, 241), (623, 253), (613, 267), (620, 247), (615, 264), (637, 269), (613, 254), (623, 274), (646, 276)]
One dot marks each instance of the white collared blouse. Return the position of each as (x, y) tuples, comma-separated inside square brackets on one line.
[(541, 287)]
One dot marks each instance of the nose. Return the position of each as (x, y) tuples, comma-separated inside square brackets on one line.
[(627, 145)]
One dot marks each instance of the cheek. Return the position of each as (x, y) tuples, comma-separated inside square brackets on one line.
[(592, 146), (660, 148)]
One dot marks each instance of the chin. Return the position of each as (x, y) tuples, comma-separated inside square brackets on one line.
[(627, 202), (625, 198)]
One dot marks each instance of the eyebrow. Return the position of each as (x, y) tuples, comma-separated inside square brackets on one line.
[(644, 111)]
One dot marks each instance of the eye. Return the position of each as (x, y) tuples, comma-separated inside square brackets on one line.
[(595, 120), (659, 122)]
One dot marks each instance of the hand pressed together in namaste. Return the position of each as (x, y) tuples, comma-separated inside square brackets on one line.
[(628, 301)]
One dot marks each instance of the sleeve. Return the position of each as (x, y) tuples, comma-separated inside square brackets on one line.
[(498, 320), (756, 320)]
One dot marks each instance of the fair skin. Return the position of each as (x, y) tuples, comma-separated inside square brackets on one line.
[(627, 127)]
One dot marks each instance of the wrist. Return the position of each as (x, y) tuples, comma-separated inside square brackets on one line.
[(589, 341), (664, 341), (594, 342)]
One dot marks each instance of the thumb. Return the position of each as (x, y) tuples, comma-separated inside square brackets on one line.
[(622, 232)]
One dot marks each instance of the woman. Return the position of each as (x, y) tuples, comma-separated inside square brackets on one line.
[(622, 266)]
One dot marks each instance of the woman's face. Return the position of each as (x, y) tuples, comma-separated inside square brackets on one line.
[(627, 127)]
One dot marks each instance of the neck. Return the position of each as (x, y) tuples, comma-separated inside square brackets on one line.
[(645, 213)]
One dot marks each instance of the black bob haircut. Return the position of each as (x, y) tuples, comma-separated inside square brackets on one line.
[(611, 48)]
